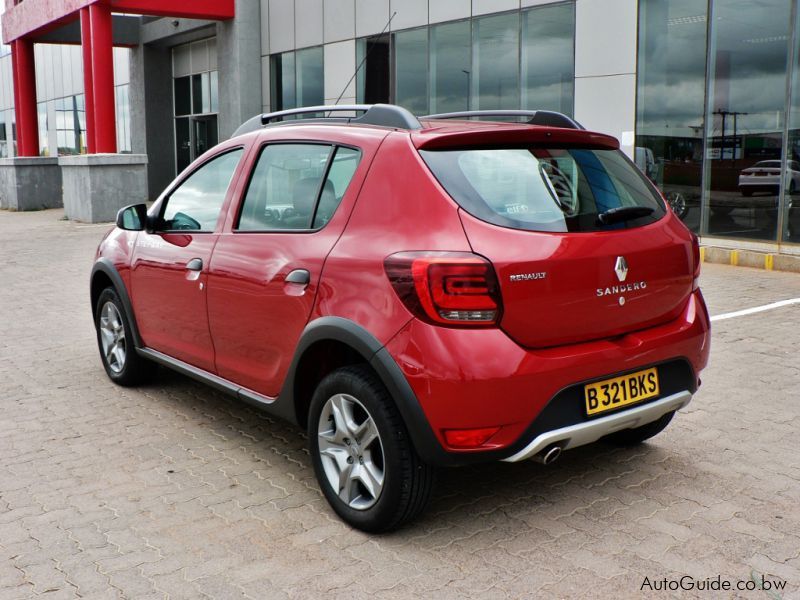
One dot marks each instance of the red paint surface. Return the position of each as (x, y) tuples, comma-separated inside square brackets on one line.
[(24, 74), (256, 318), (563, 306), (102, 52), (88, 84), (477, 378), (34, 17)]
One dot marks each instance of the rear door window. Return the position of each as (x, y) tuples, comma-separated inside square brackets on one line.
[(296, 186), (550, 189)]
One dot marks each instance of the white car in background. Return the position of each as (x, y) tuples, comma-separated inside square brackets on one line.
[(765, 176)]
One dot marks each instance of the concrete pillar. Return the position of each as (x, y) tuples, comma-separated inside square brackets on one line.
[(24, 74), (30, 183), (102, 68), (239, 60), (96, 186), (152, 121)]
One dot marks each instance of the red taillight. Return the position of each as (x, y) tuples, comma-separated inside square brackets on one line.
[(695, 262), (468, 438), (446, 288)]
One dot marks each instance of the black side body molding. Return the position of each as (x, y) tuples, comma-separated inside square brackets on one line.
[(363, 342)]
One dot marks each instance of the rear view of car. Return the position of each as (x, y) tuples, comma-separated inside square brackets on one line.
[(439, 292)]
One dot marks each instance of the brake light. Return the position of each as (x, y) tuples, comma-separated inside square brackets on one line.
[(696, 262), (446, 288)]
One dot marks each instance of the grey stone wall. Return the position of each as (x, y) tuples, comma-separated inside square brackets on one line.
[(30, 183), (96, 186)]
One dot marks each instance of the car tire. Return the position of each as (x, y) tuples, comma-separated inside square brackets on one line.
[(115, 342), (637, 435), (747, 193), (362, 454), (677, 202)]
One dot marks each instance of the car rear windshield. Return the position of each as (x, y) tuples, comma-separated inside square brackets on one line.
[(540, 189)]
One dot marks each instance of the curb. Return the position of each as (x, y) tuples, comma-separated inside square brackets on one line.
[(750, 258)]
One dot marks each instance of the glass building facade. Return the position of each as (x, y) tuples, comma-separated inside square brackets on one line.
[(520, 59), (717, 120)]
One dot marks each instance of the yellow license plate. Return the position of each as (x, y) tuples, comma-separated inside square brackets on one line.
[(621, 391)]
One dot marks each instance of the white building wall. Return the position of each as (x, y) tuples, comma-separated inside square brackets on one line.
[(605, 67)]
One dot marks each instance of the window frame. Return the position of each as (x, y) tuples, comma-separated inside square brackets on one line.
[(179, 183), (243, 197)]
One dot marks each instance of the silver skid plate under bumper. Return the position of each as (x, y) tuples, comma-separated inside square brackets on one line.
[(591, 431)]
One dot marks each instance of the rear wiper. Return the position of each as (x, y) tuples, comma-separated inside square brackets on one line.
[(624, 213)]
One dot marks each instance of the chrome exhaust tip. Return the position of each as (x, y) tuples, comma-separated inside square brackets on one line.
[(549, 455)]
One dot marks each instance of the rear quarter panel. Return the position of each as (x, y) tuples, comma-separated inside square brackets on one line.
[(400, 208)]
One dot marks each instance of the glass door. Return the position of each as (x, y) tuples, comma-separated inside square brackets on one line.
[(195, 100)]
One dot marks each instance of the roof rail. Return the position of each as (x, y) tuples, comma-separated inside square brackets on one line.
[(383, 115), (548, 118)]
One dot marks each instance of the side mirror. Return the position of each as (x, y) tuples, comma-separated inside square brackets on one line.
[(133, 217)]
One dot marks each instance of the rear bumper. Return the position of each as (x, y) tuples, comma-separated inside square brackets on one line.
[(581, 434), (469, 379)]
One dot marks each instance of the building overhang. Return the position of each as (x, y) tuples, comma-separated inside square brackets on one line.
[(36, 18)]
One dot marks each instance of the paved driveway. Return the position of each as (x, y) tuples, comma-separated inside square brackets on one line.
[(174, 490)]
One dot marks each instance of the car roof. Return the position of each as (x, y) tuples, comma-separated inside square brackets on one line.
[(432, 131), (438, 134)]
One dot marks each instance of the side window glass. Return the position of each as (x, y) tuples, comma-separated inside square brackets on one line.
[(341, 172), (284, 186), (196, 203)]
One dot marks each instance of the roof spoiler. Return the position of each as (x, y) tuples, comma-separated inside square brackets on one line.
[(546, 118)]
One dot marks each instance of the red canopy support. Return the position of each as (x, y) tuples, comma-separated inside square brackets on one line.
[(88, 84), (24, 75), (102, 78)]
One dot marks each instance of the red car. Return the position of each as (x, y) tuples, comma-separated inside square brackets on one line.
[(416, 292)]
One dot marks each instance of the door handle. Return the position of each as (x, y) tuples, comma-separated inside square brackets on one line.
[(196, 264), (299, 276)]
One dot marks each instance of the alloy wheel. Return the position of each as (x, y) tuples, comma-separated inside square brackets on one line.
[(112, 337), (351, 451)]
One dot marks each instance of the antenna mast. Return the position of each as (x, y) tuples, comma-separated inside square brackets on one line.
[(363, 60)]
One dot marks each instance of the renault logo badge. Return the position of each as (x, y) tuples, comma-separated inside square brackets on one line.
[(621, 268)]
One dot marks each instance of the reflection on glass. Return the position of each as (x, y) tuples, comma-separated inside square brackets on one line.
[(495, 69), (70, 118), (297, 79), (41, 113), (746, 108), (183, 144), (791, 203), (411, 70), (670, 97), (196, 203), (201, 94), (283, 84), (3, 136), (309, 77), (183, 96), (451, 69), (372, 79), (123, 119), (214, 91), (548, 58), (284, 188)]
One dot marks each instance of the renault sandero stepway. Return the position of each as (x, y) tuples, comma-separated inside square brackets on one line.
[(417, 292)]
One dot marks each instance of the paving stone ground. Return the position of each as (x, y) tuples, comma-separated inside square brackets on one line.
[(176, 491)]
